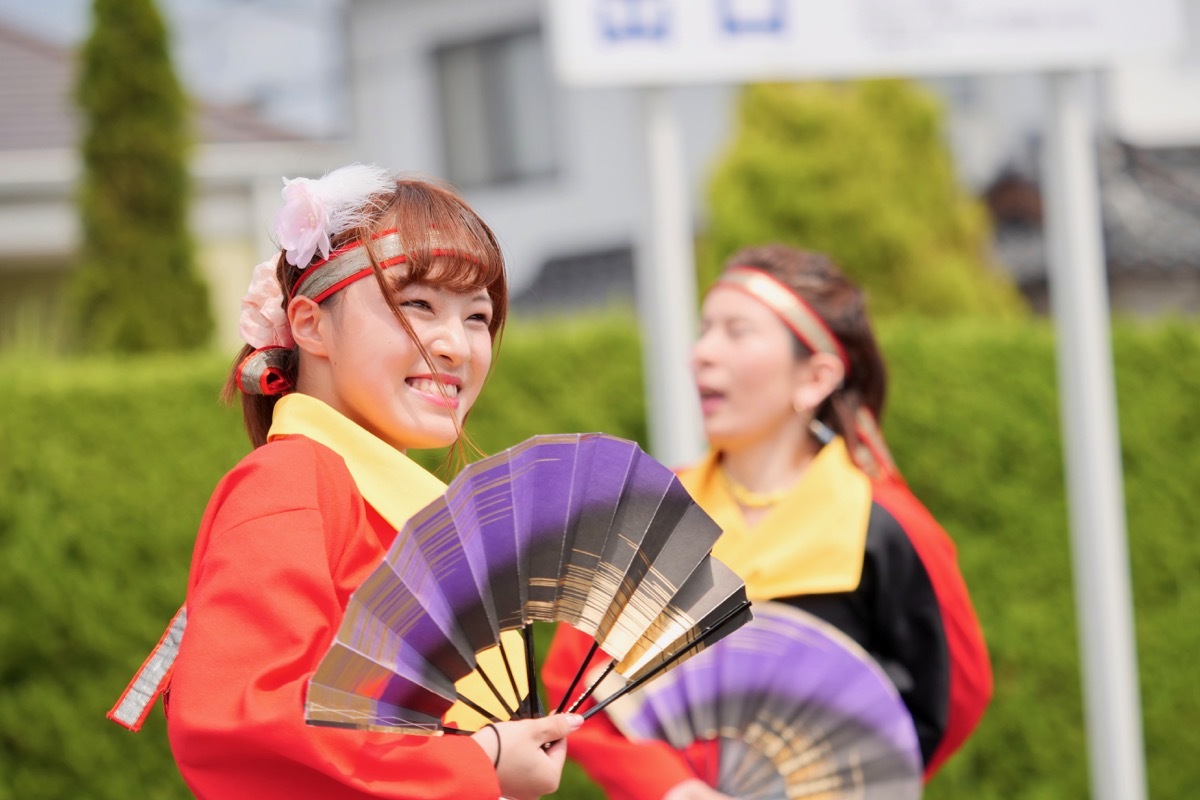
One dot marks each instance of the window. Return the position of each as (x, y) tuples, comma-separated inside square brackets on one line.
[(497, 122), (578, 281)]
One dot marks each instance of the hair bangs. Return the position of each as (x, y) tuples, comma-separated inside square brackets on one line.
[(446, 244)]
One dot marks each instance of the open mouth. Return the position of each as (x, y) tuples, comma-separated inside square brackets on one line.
[(710, 400), (430, 386)]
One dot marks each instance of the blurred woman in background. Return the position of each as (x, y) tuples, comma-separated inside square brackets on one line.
[(791, 385)]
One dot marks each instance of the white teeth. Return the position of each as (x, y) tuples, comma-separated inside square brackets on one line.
[(431, 387)]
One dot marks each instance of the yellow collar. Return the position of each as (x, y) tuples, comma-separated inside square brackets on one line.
[(811, 542), (377, 467), (397, 487)]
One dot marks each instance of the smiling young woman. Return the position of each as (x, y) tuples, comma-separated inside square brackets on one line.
[(371, 332)]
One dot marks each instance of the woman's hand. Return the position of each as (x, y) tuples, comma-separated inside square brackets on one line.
[(694, 790), (527, 769)]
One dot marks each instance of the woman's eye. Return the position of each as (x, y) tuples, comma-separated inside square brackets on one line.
[(412, 303), (486, 319), (738, 331)]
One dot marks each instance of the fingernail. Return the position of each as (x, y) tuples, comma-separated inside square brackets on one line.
[(574, 721)]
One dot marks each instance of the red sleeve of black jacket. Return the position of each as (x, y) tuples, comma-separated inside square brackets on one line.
[(970, 685)]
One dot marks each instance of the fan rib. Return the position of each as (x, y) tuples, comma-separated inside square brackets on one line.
[(583, 665), (591, 689), (478, 709), (534, 699), (629, 687)]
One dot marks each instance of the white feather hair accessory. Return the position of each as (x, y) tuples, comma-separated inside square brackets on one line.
[(315, 210)]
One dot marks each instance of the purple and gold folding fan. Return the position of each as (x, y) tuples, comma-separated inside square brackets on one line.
[(584, 529), (786, 707)]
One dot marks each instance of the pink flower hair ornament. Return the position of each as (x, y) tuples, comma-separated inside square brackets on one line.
[(263, 322), (302, 224), (313, 213)]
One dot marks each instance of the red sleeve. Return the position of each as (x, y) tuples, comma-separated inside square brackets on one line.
[(625, 769), (970, 666), (285, 540)]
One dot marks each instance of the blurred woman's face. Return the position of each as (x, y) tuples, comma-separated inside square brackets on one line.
[(745, 369)]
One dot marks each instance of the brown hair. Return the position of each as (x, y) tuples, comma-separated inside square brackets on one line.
[(445, 244), (841, 304)]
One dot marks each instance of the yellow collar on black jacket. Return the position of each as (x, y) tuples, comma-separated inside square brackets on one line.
[(811, 542)]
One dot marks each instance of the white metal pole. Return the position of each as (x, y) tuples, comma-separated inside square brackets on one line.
[(1095, 495), (666, 290)]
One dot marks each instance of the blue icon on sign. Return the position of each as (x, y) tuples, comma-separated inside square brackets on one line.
[(752, 16), (634, 19)]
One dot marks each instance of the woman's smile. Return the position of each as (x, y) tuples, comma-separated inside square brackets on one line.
[(427, 387)]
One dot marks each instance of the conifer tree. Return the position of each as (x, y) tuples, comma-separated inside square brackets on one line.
[(858, 170), (136, 287)]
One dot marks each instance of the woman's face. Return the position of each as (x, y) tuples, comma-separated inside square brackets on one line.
[(745, 369), (379, 378)]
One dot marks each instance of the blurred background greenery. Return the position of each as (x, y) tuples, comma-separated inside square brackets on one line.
[(106, 461), (106, 464)]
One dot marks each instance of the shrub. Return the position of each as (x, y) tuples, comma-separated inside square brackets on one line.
[(857, 170), (136, 288), (105, 467)]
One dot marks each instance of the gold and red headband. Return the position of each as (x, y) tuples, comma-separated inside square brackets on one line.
[(349, 264), (313, 212), (872, 453), (790, 307), (262, 371)]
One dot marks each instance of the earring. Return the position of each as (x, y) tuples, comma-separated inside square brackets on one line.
[(820, 431)]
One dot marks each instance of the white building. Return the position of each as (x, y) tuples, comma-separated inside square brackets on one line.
[(236, 171), (463, 89)]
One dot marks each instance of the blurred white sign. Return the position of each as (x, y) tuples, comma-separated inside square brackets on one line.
[(659, 42)]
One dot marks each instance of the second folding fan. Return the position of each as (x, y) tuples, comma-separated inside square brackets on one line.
[(786, 707)]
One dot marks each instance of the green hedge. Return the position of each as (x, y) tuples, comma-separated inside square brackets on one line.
[(105, 467)]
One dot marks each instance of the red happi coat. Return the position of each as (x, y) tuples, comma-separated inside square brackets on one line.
[(285, 540), (288, 535)]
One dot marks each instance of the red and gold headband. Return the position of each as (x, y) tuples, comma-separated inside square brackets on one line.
[(872, 453), (347, 265), (313, 212), (790, 307), (262, 371)]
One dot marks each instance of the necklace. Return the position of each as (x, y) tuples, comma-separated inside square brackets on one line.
[(750, 498)]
